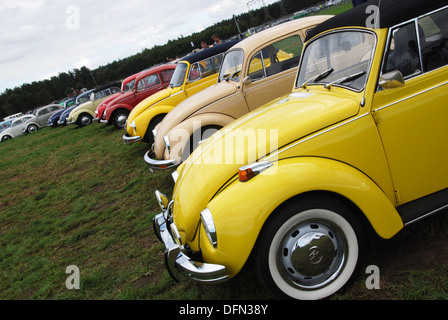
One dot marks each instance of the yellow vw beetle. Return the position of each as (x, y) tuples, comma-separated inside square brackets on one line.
[(359, 146), (193, 73), (255, 71)]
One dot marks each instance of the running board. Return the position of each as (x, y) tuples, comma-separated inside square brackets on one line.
[(424, 207)]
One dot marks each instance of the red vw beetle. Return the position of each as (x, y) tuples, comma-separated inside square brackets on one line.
[(147, 82), (128, 84)]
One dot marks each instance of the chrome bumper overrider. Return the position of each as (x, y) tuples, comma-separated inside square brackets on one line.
[(179, 265), (154, 164), (127, 139)]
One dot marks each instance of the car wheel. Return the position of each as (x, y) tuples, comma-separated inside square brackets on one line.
[(84, 119), (310, 249), (31, 128), (149, 137), (4, 138), (119, 119)]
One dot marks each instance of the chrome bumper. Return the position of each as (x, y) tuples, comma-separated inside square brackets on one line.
[(127, 139), (104, 121), (154, 164), (179, 265)]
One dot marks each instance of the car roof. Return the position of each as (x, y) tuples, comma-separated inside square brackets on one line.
[(209, 52), (110, 85), (391, 12), (152, 70), (254, 41)]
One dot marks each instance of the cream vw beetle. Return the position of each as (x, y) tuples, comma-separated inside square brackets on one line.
[(360, 148), (254, 72)]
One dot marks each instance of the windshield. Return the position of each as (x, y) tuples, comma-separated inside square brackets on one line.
[(231, 66), (179, 75), (128, 86), (341, 59)]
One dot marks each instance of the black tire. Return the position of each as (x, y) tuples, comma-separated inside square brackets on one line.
[(4, 138), (149, 137), (31, 128), (84, 119), (119, 118), (309, 249)]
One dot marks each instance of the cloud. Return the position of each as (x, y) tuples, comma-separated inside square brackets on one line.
[(38, 37)]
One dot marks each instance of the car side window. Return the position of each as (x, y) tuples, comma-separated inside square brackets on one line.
[(256, 68), (148, 82), (194, 72), (42, 112), (433, 36), (166, 75), (275, 58), (403, 53), (17, 123)]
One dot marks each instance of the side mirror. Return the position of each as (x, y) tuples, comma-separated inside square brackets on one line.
[(247, 80), (393, 79)]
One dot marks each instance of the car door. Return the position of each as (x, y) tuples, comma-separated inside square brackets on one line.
[(147, 86), (271, 71), (412, 120), (203, 74), (16, 127), (43, 115)]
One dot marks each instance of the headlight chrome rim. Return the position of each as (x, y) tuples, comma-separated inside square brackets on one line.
[(209, 227)]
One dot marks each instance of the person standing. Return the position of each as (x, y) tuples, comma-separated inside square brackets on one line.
[(216, 39)]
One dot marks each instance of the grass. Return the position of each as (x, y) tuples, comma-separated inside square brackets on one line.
[(79, 196)]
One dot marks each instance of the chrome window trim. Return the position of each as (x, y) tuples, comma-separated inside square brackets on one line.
[(389, 34)]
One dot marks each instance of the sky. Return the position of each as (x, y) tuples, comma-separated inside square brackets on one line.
[(41, 38)]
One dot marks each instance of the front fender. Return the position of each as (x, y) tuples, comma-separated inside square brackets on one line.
[(180, 135), (142, 121), (241, 209), (110, 110)]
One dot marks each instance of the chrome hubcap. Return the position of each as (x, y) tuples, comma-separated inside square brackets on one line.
[(121, 120), (312, 254), (85, 120)]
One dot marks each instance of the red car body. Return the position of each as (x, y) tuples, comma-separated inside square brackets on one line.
[(147, 82), (126, 85)]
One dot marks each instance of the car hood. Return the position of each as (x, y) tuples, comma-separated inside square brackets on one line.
[(291, 117), (81, 106), (149, 101), (120, 97), (189, 107), (57, 113)]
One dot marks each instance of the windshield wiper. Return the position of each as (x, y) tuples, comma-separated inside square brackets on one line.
[(318, 77), (229, 76), (345, 79)]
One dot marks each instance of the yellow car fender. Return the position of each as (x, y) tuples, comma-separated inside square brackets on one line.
[(144, 119), (241, 209), (180, 134)]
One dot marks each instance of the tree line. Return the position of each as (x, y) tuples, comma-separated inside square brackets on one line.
[(38, 93)]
